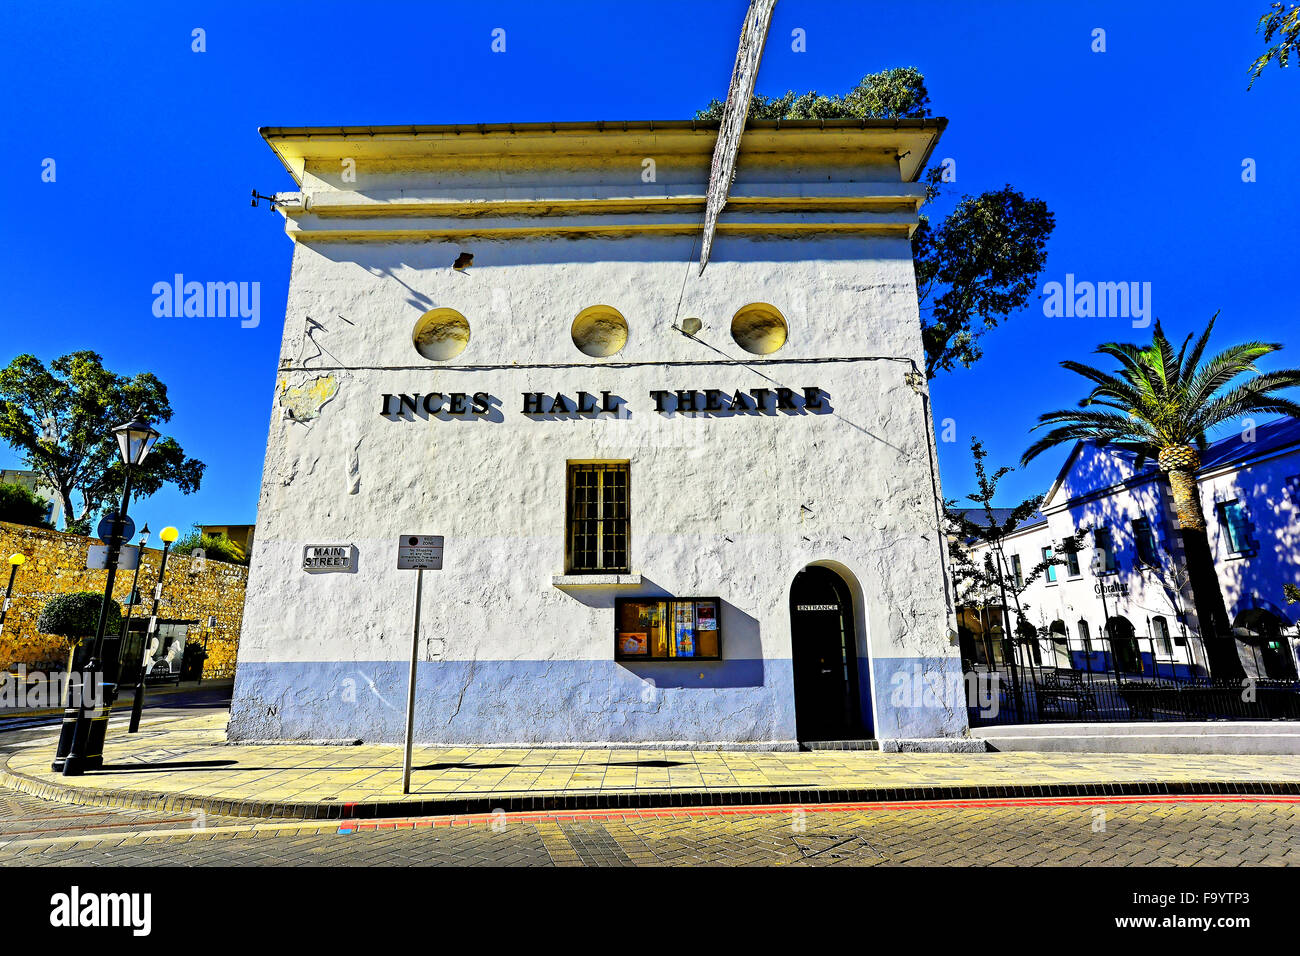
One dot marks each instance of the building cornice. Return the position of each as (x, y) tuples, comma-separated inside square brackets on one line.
[(844, 177)]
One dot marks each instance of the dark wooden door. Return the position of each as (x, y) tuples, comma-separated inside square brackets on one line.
[(824, 657)]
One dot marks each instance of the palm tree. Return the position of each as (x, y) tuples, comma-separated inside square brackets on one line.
[(1160, 405)]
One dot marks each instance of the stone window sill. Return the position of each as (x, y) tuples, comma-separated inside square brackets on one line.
[(595, 580)]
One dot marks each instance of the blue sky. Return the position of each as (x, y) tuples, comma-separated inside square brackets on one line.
[(1137, 150)]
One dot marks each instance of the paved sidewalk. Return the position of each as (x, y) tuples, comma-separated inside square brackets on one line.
[(188, 765)]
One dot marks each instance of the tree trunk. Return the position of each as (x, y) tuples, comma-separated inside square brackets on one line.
[(67, 680), (1180, 465), (67, 508)]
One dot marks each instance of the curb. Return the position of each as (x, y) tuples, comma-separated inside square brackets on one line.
[(635, 800)]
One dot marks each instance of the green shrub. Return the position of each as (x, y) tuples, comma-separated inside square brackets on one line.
[(74, 616), (215, 546), (22, 506)]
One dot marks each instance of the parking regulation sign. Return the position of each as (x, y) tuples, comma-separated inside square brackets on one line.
[(419, 552)]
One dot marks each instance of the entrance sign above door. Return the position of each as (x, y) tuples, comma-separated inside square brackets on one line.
[(419, 552)]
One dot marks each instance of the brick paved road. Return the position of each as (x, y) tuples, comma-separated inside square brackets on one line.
[(43, 833), (1114, 834)]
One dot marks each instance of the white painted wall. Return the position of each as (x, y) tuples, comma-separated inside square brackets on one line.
[(732, 506)]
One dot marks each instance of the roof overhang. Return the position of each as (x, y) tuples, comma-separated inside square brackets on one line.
[(832, 176)]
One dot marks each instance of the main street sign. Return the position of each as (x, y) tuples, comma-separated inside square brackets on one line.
[(419, 552), (328, 557)]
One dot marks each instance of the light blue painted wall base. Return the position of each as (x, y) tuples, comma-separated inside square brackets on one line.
[(741, 702), (490, 702), (919, 697)]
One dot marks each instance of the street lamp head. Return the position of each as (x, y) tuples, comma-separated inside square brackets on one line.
[(169, 534), (135, 438), (144, 535), (17, 558)]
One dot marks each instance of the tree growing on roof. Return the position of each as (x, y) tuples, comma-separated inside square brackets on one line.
[(973, 269)]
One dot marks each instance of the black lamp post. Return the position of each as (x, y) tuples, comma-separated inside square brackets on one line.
[(15, 562), (135, 580), (168, 535), (81, 746)]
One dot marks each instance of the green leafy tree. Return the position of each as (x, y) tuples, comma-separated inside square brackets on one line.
[(60, 419), (890, 94), (1160, 403), (215, 546), (21, 505), (973, 269), (74, 618), (1284, 25)]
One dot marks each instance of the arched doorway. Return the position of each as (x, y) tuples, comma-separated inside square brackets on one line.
[(824, 650), (1261, 632), (1123, 646), (1060, 644), (1027, 637)]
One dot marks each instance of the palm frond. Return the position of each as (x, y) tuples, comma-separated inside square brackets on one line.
[(1100, 427), (1158, 398), (1194, 360), (1249, 398), (1160, 357), (1222, 369)]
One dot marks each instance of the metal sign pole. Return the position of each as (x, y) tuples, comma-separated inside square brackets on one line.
[(410, 685), (418, 553)]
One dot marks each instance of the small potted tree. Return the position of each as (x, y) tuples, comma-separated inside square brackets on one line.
[(74, 618)]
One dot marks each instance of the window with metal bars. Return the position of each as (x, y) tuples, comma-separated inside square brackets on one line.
[(597, 519)]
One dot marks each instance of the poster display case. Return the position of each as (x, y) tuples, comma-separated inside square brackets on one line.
[(667, 629)]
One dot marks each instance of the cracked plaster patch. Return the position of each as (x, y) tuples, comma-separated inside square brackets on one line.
[(304, 402)]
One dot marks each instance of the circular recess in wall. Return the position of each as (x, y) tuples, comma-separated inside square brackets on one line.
[(599, 331), (759, 328), (440, 334)]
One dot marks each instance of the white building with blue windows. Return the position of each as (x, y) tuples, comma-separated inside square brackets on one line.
[(1123, 602)]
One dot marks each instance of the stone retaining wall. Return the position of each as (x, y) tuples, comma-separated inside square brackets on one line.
[(56, 564)]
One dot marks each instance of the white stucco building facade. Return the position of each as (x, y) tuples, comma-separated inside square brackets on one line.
[(658, 531), (1250, 491)]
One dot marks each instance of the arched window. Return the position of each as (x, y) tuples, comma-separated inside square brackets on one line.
[(1085, 636), (1160, 631)]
